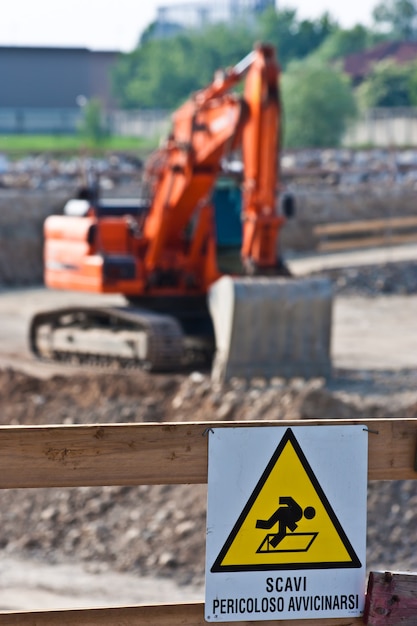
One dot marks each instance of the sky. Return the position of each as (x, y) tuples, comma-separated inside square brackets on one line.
[(117, 25)]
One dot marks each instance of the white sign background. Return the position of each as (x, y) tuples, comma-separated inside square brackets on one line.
[(338, 457)]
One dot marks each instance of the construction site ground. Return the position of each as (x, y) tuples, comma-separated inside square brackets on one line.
[(115, 546)]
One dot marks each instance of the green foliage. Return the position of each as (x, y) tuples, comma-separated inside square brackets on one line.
[(399, 16), (318, 105), (389, 85), (161, 73), (92, 126), (412, 84), (342, 42), (16, 145), (293, 39), (148, 34)]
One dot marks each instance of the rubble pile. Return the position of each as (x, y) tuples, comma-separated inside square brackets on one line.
[(50, 173), (137, 397), (342, 167), (347, 167)]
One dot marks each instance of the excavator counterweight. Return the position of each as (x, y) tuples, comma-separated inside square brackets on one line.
[(162, 252)]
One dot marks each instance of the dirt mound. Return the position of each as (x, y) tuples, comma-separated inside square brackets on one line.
[(139, 397), (106, 397)]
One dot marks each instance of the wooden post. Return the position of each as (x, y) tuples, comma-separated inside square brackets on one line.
[(391, 599)]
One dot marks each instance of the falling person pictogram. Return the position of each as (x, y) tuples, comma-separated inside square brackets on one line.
[(287, 515)]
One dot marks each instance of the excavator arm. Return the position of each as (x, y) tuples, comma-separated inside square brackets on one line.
[(206, 129), (260, 153)]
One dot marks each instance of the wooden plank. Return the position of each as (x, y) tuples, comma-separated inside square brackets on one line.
[(158, 615), (367, 242), (167, 453), (391, 599), (340, 228)]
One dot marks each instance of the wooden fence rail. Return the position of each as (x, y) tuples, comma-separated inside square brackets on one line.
[(366, 233), (170, 453)]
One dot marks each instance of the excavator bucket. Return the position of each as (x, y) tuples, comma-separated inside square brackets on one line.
[(271, 327)]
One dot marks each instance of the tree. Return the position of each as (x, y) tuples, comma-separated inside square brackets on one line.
[(399, 16), (412, 83), (157, 75), (342, 42), (152, 77), (318, 104), (92, 125), (389, 85), (148, 34), (293, 39)]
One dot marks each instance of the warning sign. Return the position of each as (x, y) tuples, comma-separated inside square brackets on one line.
[(288, 501), (280, 500)]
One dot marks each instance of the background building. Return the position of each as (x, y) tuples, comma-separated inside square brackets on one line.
[(43, 88), (359, 65), (176, 17)]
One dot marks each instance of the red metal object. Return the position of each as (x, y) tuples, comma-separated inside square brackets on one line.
[(391, 599)]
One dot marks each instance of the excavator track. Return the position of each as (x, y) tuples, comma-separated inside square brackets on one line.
[(126, 337)]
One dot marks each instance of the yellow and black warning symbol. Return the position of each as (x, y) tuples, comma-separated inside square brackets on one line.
[(288, 522)]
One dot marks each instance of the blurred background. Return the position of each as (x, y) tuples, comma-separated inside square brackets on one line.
[(113, 73)]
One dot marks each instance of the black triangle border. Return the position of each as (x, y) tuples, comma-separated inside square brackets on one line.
[(217, 566)]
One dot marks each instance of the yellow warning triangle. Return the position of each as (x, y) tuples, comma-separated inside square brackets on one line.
[(288, 522)]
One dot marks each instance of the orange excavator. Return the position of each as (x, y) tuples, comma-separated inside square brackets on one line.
[(161, 253)]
